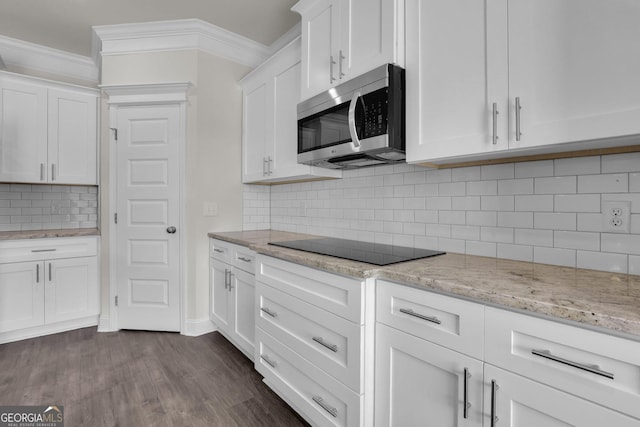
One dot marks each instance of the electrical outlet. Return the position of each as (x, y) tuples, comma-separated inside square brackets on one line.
[(616, 216)]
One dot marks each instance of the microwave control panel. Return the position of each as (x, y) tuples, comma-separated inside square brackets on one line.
[(374, 113)]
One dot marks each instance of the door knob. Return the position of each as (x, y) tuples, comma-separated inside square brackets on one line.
[(171, 229)]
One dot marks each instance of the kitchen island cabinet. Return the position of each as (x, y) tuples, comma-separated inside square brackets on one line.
[(48, 131), (519, 78)]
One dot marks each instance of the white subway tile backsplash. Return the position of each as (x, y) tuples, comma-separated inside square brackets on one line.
[(555, 221), (611, 183), (615, 263), (577, 166), (555, 256), (555, 185), (576, 240), (627, 162), (577, 203), (546, 211)]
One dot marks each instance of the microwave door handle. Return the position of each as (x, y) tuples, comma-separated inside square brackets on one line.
[(352, 120)]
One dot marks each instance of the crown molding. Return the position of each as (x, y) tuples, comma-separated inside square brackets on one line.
[(286, 38), (179, 35), (32, 56)]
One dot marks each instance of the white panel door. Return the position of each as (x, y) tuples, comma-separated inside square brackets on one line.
[(21, 295), (23, 132), (520, 402), (419, 383), (71, 289), (575, 65), (72, 137), (148, 200)]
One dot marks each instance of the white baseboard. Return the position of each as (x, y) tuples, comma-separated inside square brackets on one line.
[(197, 327), (104, 324), (38, 331)]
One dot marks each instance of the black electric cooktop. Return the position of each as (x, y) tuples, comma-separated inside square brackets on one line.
[(372, 253)]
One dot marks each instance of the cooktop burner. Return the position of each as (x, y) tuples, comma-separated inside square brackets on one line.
[(372, 253)]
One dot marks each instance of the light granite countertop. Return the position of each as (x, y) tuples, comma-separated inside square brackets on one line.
[(592, 298), (44, 234)]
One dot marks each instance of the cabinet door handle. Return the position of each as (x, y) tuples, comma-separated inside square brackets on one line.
[(494, 115), (341, 57), (41, 171), (37, 273), (53, 171), (331, 347), (518, 108), (269, 163), (49, 271), (220, 251), (230, 281), (410, 312), (331, 64), (244, 259), (329, 409), (494, 418), (466, 404), (268, 312), (594, 369), (264, 166), (268, 361), (226, 278)]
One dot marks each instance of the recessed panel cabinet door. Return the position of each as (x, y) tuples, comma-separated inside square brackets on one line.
[(452, 81), (519, 402), (23, 132), (21, 295), (256, 128), (419, 383), (219, 294), (71, 288), (244, 309), (574, 65)]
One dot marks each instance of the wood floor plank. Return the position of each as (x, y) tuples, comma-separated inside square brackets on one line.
[(136, 378)]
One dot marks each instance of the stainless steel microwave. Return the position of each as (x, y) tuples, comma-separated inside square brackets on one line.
[(359, 123)]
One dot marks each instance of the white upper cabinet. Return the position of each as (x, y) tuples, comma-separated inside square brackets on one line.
[(342, 39), (518, 77), (270, 136), (48, 131)]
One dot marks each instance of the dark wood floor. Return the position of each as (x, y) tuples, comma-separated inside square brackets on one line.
[(132, 378)]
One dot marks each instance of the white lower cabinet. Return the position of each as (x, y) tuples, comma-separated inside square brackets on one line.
[(314, 341), (232, 294), (47, 286), (419, 383)]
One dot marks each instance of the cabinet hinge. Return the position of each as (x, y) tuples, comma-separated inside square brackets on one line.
[(116, 300), (115, 218), (115, 133)]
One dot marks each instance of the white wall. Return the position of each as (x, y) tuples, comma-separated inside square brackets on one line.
[(544, 211), (212, 153)]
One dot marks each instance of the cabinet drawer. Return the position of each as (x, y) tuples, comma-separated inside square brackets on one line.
[(321, 399), (326, 340), (593, 365), (52, 248), (450, 322), (244, 259), (338, 294), (220, 250)]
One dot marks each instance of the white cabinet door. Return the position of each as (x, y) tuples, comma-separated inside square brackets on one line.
[(21, 295), (72, 138), (420, 383), (23, 131), (71, 289), (219, 295), (256, 132), (244, 308), (575, 66), (449, 106), (320, 47), (519, 402)]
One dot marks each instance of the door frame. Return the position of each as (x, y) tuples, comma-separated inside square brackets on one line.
[(145, 95)]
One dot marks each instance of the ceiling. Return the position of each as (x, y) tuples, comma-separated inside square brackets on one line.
[(66, 24)]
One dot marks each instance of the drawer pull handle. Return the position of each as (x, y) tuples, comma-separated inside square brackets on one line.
[(329, 409), (594, 369), (410, 312), (244, 259), (331, 347), (43, 250), (268, 361), (268, 312), (494, 418), (220, 251), (466, 404)]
